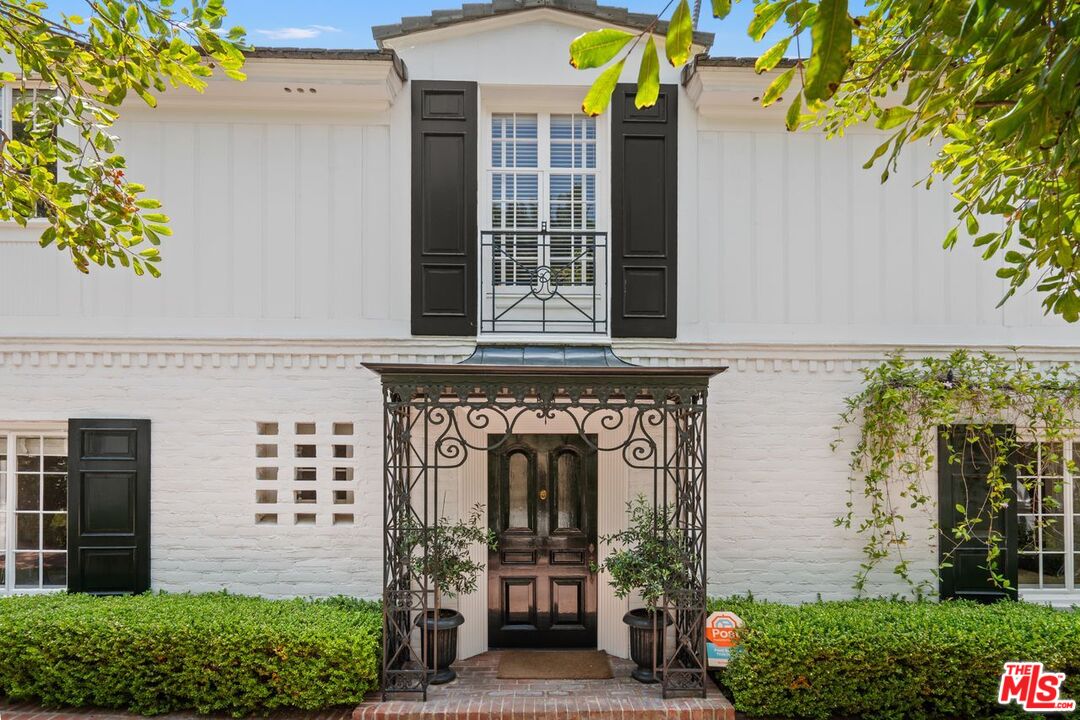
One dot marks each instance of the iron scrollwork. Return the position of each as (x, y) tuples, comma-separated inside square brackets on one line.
[(432, 424)]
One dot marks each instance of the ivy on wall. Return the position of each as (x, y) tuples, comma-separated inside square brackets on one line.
[(902, 404)]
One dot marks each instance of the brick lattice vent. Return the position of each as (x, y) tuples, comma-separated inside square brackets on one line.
[(478, 695)]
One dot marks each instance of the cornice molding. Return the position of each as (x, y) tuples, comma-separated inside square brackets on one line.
[(316, 355), (292, 85)]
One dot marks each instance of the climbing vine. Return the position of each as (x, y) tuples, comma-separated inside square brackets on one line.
[(893, 464)]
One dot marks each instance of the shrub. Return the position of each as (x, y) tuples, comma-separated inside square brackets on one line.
[(211, 653), (891, 659)]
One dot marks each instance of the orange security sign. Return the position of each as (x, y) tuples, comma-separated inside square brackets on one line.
[(721, 634)]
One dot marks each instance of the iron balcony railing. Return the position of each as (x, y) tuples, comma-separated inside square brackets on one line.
[(543, 281)]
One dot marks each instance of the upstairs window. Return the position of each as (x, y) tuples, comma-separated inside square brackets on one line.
[(19, 122), (543, 175)]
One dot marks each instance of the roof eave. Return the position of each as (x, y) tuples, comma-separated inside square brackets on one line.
[(472, 12)]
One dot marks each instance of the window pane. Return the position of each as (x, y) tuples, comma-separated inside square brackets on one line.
[(54, 570), (3, 569), (1051, 460), (514, 141), (27, 567), (26, 531), (573, 141), (54, 531), (56, 463), (1027, 459), (1028, 532), (568, 493), (1053, 534), (1053, 570), (1052, 495), (1025, 496), (1028, 571), (55, 492), (518, 491), (28, 491), (56, 446)]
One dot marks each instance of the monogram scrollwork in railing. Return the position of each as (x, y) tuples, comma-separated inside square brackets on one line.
[(545, 283)]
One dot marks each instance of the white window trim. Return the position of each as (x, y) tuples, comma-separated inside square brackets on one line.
[(10, 230), (9, 430), (1064, 596), (543, 101)]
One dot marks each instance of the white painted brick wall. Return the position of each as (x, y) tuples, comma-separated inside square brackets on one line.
[(775, 486), (203, 534)]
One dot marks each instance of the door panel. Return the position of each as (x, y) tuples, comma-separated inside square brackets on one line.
[(542, 500)]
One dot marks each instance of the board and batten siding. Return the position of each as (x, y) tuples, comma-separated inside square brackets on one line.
[(281, 228), (797, 243)]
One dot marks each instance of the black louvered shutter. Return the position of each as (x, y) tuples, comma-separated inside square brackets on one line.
[(963, 483), (108, 506), (644, 214), (444, 235)]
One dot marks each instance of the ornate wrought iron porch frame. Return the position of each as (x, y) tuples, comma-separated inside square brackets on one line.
[(434, 417)]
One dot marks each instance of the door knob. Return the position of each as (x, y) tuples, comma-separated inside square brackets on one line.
[(543, 494)]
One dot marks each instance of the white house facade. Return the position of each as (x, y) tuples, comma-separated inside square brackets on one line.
[(346, 214)]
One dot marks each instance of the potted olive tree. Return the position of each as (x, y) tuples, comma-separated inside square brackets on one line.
[(649, 558), (451, 572)]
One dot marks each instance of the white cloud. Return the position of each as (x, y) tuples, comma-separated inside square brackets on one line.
[(297, 33)]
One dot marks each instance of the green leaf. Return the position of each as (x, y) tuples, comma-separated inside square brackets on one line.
[(791, 120), (680, 35), (597, 48), (831, 51), (721, 8), (893, 116), (950, 239), (777, 87), (772, 56), (877, 153), (599, 95), (648, 84), (972, 225), (1010, 122), (765, 16)]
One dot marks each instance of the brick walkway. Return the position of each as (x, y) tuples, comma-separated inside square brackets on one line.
[(478, 695)]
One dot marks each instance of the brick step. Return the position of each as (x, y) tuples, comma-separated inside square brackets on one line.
[(478, 694)]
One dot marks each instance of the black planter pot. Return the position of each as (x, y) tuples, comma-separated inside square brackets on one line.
[(646, 642), (445, 629)]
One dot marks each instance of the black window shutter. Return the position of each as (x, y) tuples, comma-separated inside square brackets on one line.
[(108, 506), (963, 483), (644, 214), (444, 234)]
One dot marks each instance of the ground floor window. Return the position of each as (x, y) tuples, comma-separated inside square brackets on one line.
[(33, 510), (1048, 517)]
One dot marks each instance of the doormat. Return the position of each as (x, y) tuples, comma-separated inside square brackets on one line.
[(554, 665)]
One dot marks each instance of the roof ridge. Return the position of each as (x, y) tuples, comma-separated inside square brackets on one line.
[(469, 12)]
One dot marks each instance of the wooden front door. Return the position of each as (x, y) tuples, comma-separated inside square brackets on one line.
[(542, 507)]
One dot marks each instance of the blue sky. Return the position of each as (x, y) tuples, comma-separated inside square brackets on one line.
[(347, 23)]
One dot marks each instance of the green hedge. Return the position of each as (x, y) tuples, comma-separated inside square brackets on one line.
[(891, 660), (210, 653)]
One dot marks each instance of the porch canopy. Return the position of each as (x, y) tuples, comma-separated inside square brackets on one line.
[(435, 415)]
